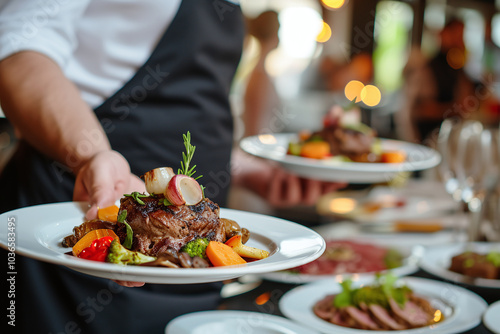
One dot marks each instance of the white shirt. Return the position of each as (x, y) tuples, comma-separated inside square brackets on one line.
[(99, 44)]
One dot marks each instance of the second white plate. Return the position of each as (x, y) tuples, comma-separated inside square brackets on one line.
[(230, 322), (274, 147)]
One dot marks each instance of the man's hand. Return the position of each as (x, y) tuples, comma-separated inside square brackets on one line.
[(279, 187), (101, 181), (104, 179)]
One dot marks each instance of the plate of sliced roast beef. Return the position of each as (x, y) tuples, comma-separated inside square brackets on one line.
[(384, 304), (160, 234)]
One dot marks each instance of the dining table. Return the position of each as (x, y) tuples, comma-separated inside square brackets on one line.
[(254, 293)]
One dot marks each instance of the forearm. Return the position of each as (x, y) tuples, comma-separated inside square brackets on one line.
[(47, 110)]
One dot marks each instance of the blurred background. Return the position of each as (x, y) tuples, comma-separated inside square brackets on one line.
[(322, 45), (428, 59)]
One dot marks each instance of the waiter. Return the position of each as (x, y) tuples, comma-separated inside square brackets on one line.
[(100, 92)]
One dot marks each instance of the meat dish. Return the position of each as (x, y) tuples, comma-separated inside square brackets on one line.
[(347, 256), (381, 306), (477, 265)]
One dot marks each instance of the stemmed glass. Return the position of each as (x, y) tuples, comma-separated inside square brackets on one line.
[(470, 167), (477, 171)]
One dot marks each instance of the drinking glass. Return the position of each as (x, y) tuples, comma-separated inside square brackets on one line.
[(478, 162)]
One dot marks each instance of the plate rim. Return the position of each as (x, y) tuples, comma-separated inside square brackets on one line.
[(240, 314), (64, 211), (488, 314), (448, 328)]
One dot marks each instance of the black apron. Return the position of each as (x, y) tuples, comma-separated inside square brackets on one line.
[(184, 86)]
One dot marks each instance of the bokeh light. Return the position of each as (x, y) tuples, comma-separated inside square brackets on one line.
[(370, 95), (342, 205), (353, 90), (325, 33), (333, 4)]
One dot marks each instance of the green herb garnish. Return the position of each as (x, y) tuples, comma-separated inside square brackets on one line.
[(379, 293), (494, 257), (186, 169), (137, 197), (164, 201), (344, 298), (469, 263), (130, 233)]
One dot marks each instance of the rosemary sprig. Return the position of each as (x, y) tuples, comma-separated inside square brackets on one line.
[(137, 197), (187, 156)]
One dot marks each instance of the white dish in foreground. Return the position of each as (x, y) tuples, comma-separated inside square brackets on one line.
[(463, 308), (40, 229), (437, 259), (229, 322), (274, 147), (491, 318)]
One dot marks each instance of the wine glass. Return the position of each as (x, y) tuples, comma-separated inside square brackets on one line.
[(447, 145), (478, 161)]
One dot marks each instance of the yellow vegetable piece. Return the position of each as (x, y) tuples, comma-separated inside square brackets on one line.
[(246, 251), (88, 238), (109, 213)]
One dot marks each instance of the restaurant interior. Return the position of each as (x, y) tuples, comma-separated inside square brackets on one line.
[(418, 79)]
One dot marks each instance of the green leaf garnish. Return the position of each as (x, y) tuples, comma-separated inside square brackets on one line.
[(344, 298), (164, 201), (130, 233), (494, 257), (186, 169), (137, 197)]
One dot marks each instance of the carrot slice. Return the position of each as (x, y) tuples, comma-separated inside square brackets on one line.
[(393, 156), (109, 213), (222, 255), (315, 149), (88, 238)]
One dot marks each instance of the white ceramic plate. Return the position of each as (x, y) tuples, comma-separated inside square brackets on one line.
[(410, 265), (274, 147), (230, 322), (462, 308), (39, 231), (436, 260), (491, 318)]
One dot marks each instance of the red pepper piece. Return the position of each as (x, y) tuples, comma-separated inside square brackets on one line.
[(98, 250)]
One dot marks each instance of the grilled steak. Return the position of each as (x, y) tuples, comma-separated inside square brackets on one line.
[(158, 227), (346, 141)]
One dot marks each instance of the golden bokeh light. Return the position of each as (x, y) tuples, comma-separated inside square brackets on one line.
[(342, 205), (370, 95), (455, 58), (268, 139), (263, 298), (437, 316), (353, 90), (333, 4), (325, 33)]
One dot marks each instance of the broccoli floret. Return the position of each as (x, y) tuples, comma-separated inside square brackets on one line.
[(120, 255), (196, 247)]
